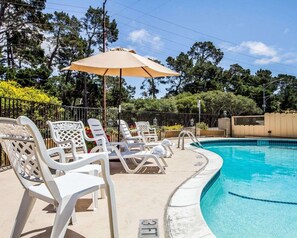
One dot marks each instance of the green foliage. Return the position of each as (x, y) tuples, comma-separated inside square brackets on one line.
[(216, 102), (112, 97), (202, 125), (22, 24), (150, 85), (198, 69), (182, 64), (141, 105), (187, 103), (172, 128)]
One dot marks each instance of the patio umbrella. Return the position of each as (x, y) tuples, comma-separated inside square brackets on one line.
[(121, 62)]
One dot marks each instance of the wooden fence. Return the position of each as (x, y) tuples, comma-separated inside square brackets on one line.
[(270, 125)]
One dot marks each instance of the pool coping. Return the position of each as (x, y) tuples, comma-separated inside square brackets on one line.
[(183, 217)]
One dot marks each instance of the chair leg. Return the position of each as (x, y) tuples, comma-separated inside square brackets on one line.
[(143, 161), (95, 194), (64, 212), (23, 214), (102, 189), (73, 219), (134, 162), (170, 149), (95, 200), (159, 164), (164, 162)]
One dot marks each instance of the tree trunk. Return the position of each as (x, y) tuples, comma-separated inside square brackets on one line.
[(55, 50), (3, 6)]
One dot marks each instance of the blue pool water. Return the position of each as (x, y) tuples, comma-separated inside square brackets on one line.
[(255, 194)]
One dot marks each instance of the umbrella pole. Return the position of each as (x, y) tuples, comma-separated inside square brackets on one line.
[(120, 109)]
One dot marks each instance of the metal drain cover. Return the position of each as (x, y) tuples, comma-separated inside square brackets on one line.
[(148, 228)]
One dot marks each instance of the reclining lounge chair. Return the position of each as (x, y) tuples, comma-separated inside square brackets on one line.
[(127, 137), (116, 153)]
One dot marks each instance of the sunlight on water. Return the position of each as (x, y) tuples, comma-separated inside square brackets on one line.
[(256, 193)]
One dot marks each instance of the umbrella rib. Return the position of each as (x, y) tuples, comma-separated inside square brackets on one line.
[(105, 72), (147, 72)]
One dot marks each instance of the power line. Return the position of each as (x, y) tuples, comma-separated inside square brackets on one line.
[(123, 9), (175, 24), (192, 30)]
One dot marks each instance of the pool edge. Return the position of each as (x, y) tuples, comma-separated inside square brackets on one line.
[(183, 216)]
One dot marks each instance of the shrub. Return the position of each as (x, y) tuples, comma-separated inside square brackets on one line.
[(202, 125), (12, 89), (172, 128)]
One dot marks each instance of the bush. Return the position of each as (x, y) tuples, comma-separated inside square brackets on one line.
[(172, 128), (12, 89), (29, 101), (202, 125)]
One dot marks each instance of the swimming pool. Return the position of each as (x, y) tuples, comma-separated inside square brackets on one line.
[(255, 194)]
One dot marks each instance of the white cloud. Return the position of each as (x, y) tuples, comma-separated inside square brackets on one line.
[(255, 48), (263, 61), (263, 53), (267, 54), (259, 49), (143, 38), (290, 58)]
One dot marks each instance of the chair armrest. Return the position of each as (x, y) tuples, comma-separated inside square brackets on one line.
[(134, 138), (100, 156), (72, 147), (60, 152), (153, 130), (121, 144), (96, 139), (136, 144)]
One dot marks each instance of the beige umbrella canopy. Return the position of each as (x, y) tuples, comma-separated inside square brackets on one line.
[(119, 59), (121, 62)]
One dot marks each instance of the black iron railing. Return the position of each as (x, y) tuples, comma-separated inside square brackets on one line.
[(42, 112)]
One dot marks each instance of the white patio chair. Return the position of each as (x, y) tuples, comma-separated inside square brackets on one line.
[(144, 129), (26, 150), (127, 137), (71, 136), (115, 153)]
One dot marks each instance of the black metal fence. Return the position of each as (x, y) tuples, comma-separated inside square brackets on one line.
[(42, 112), (169, 118)]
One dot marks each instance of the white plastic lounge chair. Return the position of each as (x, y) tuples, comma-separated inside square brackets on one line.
[(26, 150), (114, 153), (127, 137), (70, 135), (144, 129)]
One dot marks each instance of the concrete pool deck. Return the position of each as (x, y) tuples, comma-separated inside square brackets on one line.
[(145, 195)]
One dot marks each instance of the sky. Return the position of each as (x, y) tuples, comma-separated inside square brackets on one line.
[(256, 34)]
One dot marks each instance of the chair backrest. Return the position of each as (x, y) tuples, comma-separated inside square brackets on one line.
[(97, 130), (68, 130), (26, 150), (124, 128), (143, 126)]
